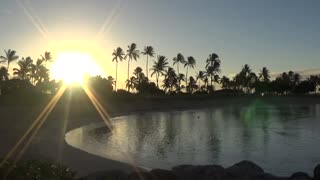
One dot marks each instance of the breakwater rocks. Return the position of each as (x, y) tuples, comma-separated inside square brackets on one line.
[(244, 170)]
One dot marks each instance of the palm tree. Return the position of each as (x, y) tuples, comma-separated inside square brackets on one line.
[(200, 76), (118, 56), (132, 53), (131, 83), (264, 74), (3, 74), (213, 58), (35, 69), (225, 82), (213, 66), (139, 75), (24, 68), (181, 77), (9, 57), (46, 58), (159, 67), (213, 70), (43, 74), (192, 85), (149, 51), (177, 60), (170, 79), (191, 62)]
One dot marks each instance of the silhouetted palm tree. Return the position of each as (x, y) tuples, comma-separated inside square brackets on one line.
[(296, 78), (9, 57), (213, 70), (177, 60), (131, 83), (212, 59), (225, 82), (264, 74), (3, 74), (216, 78), (181, 77), (170, 79), (212, 66), (35, 71), (132, 53), (23, 72), (192, 85), (139, 75), (117, 56), (149, 51), (191, 62), (200, 76), (46, 58), (43, 74), (158, 67)]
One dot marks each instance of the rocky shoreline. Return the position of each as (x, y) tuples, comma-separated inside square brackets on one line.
[(244, 170)]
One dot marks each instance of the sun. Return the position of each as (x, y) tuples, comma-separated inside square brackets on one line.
[(73, 67)]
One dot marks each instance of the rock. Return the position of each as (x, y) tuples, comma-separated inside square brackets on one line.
[(267, 176), (159, 174), (140, 175), (316, 172), (188, 172), (244, 169), (300, 176), (115, 175)]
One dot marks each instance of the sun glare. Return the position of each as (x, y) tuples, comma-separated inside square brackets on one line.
[(73, 67)]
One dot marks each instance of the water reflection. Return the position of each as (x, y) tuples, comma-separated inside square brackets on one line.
[(282, 138)]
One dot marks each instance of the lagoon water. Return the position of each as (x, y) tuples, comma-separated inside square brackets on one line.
[(281, 138)]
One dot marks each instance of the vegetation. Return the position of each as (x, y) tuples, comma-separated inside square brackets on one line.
[(34, 169), (34, 76)]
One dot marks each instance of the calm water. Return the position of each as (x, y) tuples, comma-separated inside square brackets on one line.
[(280, 138)]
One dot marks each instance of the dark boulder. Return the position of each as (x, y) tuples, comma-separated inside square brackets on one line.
[(245, 169), (159, 174), (140, 175), (300, 176), (206, 172), (267, 176), (102, 175), (316, 172)]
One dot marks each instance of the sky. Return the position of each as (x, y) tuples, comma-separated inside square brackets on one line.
[(282, 35)]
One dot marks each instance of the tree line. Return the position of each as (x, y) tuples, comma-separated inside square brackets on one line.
[(168, 79), (206, 80), (28, 74)]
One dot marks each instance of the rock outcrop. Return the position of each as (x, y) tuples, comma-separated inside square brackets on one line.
[(244, 170)]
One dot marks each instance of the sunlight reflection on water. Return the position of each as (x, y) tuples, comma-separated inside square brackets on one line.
[(282, 138)]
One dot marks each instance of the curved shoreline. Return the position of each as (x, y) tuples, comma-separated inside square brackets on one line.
[(50, 142)]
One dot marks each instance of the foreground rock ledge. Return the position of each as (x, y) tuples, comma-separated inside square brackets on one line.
[(244, 170)]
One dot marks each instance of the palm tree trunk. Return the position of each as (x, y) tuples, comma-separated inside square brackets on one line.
[(157, 77), (199, 84), (147, 69), (128, 71), (187, 77), (8, 67), (116, 76), (178, 76)]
